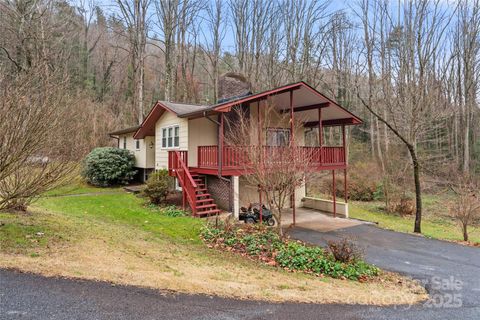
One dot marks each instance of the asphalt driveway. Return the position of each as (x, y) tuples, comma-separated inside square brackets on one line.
[(449, 271)]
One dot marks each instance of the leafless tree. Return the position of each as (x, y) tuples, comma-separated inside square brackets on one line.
[(216, 25), (277, 170), (167, 20), (466, 73), (36, 152), (304, 35), (135, 15), (414, 44), (465, 209)]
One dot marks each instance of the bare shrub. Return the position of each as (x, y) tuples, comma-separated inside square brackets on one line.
[(465, 209), (404, 205), (363, 181), (276, 170), (345, 250), (37, 149)]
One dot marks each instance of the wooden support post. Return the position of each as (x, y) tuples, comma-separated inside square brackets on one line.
[(334, 195), (344, 145), (220, 145), (292, 144), (184, 192), (261, 203), (292, 133), (345, 187), (260, 147), (320, 134), (259, 124), (293, 206)]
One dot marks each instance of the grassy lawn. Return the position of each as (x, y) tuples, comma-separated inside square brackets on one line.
[(128, 210), (111, 235), (77, 186), (435, 223)]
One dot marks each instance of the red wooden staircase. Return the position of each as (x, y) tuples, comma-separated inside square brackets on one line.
[(204, 203), (194, 189)]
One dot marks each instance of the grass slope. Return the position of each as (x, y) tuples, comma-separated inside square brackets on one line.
[(434, 224), (115, 237)]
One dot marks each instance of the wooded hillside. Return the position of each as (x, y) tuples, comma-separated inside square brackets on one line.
[(411, 71)]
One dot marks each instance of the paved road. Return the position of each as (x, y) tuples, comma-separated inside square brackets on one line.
[(26, 296), (450, 272)]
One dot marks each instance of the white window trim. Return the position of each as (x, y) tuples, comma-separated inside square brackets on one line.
[(137, 141), (161, 137)]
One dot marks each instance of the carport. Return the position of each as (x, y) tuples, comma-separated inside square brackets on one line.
[(316, 220)]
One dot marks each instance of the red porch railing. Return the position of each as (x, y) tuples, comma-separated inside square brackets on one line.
[(177, 166), (236, 157), (326, 156), (172, 160)]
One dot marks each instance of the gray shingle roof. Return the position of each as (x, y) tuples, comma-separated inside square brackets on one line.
[(182, 109), (123, 131)]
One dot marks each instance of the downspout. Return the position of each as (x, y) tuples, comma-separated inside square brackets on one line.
[(220, 156)]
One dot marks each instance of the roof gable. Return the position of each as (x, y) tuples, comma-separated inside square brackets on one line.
[(147, 127), (309, 97)]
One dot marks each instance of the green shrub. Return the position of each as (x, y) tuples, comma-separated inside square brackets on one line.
[(159, 185), (379, 193), (173, 211), (265, 245), (108, 166)]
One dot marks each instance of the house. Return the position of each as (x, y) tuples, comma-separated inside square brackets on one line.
[(143, 149), (189, 141)]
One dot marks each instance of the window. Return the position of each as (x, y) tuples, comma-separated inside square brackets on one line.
[(137, 144), (176, 140), (164, 137), (171, 137), (124, 142), (278, 137)]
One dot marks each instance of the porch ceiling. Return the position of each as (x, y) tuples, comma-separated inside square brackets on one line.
[(306, 102)]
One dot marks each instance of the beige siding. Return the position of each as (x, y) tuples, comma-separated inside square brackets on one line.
[(161, 154), (150, 152), (201, 132), (130, 143), (141, 153)]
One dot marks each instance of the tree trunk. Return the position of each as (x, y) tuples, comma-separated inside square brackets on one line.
[(418, 190), (466, 141), (416, 165), (465, 232)]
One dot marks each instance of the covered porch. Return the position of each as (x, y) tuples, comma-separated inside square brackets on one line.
[(293, 119), (294, 116)]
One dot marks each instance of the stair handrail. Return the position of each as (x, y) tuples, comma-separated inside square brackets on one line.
[(186, 180)]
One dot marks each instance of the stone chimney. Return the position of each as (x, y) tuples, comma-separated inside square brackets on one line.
[(232, 85)]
